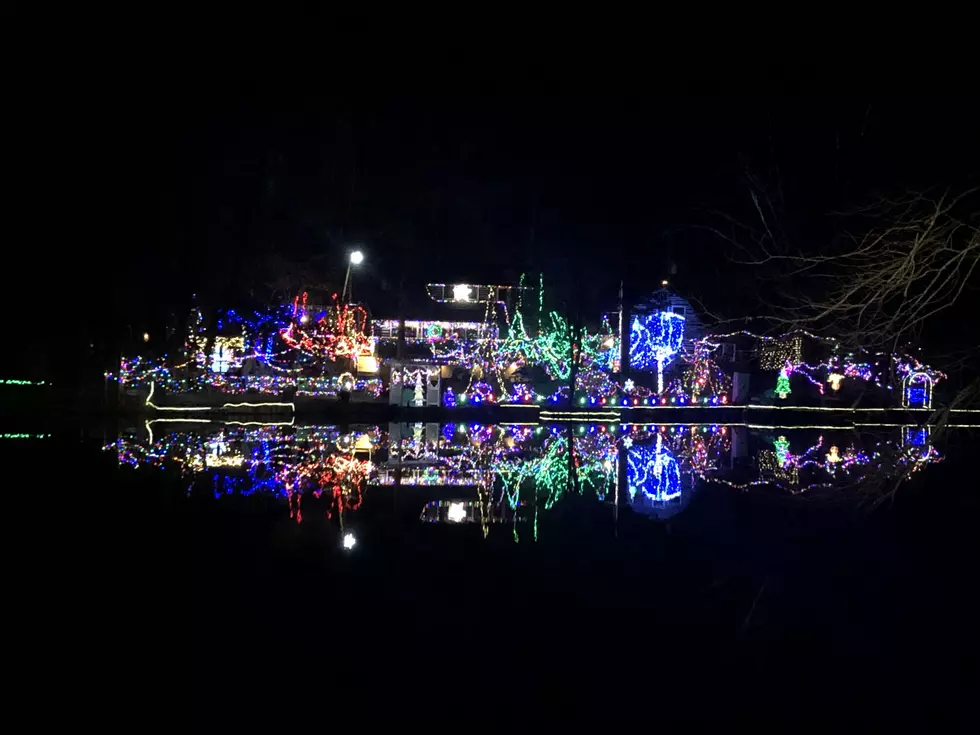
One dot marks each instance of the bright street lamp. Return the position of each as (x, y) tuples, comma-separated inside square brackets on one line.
[(356, 258)]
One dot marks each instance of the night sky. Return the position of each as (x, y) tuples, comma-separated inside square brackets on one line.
[(212, 184)]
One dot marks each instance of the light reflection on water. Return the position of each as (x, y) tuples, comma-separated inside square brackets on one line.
[(486, 474)]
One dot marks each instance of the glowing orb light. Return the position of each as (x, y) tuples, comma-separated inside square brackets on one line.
[(456, 513)]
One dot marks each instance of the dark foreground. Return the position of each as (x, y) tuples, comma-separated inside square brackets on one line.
[(744, 606)]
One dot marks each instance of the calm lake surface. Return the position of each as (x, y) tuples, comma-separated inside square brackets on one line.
[(574, 565)]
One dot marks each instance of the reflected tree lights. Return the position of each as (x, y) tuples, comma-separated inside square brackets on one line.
[(653, 471)]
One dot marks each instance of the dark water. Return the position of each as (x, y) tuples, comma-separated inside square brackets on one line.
[(701, 571)]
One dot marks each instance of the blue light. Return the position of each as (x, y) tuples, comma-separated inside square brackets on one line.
[(654, 471), (655, 340), (916, 436)]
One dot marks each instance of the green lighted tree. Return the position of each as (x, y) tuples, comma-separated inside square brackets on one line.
[(782, 384)]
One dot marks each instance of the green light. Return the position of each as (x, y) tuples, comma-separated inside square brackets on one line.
[(581, 401)]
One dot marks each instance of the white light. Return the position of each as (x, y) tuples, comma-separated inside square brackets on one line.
[(349, 541), (461, 292), (663, 282), (146, 336), (304, 319), (357, 257), (456, 512)]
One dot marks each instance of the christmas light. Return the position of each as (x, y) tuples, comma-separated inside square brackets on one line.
[(456, 513), (349, 541), (653, 471), (782, 385), (917, 390), (654, 341), (777, 352)]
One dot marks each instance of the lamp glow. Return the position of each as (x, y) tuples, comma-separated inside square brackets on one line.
[(349, 541), (357, 257), (456, 513)]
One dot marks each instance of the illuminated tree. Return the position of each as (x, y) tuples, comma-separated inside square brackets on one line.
[(703, 375), (653, 470), (782, 383), (654, 340), (340, 332)]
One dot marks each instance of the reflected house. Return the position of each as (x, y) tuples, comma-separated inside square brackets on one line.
[(467, 511), (283, 461)]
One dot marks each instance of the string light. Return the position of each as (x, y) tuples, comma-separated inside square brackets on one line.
[(782, 385), (654, 341), (654, 471)]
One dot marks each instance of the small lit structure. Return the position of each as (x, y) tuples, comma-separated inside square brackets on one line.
[(917, 390), (415, 384), (227, 352)]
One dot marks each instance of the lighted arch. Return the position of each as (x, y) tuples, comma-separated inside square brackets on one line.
[(910, 383)]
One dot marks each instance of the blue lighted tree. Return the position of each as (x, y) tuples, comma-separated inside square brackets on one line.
[(655, 340), (654, 471)]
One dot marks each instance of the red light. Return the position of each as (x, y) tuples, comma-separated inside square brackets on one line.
[(636, 401), (663, 401), (724, 429), (603, 401), (602, 429), (724, 399)]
